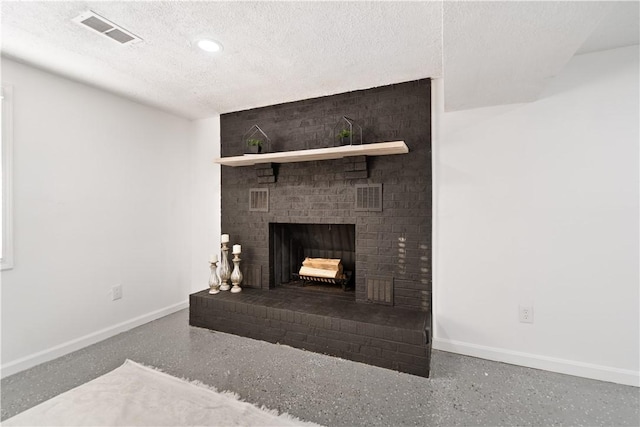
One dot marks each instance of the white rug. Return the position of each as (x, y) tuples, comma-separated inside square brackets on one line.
[(135, 395)]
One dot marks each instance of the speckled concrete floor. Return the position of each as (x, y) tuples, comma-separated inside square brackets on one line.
[(335, 392)]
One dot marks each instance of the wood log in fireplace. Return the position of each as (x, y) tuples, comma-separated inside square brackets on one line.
[(322, 267)]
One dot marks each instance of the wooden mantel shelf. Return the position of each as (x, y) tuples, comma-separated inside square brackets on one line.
[(375, 149)]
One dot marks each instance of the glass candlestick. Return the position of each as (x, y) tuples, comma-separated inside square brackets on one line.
[(236, 275), (214, 282), (224, 271)]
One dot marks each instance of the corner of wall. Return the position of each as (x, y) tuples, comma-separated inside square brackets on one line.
[(537, 203), (205, 221)]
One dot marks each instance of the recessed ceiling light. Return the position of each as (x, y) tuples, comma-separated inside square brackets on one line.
[(209, 45)]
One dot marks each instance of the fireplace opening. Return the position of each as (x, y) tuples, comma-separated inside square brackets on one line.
[(290, 244)]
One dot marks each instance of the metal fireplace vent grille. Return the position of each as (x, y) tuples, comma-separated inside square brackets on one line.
[(368, 198), (258, 200), (380, 290)]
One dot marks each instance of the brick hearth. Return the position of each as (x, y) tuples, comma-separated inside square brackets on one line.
[(378, 335)]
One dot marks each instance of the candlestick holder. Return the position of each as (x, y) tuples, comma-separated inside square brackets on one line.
[(236, 275), (224, 271), (214, 282)]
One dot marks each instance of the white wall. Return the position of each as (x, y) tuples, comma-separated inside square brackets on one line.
[(102, 196), (205, 225), (533, 204), (537, 204)]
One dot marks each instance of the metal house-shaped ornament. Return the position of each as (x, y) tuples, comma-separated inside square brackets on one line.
[(347, 132), (256, 141)]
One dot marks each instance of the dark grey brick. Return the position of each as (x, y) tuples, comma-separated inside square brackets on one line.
[(412, 349), (263, 166), (295, 336), (323, 191), (356, 175), (264, 172), (266, 179)]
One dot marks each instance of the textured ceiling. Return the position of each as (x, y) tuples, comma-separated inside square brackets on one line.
[(276, 52), (618, 27), (533, 41)]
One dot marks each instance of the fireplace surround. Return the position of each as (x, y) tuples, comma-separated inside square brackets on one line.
[(386, 320)]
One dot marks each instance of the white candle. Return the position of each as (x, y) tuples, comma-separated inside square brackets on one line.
[(214, 258), (237, 249), (224, 238)]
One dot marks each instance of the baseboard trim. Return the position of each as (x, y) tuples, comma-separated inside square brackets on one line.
[(32, 360), (562, 366)]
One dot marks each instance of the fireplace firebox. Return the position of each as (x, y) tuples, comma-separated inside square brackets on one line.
[(290, 244)]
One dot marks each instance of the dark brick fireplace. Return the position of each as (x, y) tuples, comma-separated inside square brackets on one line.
[(315, 209)]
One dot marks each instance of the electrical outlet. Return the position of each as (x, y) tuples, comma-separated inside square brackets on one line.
[(526, 314), (116, 292)]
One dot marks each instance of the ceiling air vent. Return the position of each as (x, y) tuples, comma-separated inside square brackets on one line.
[(106, 28)]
